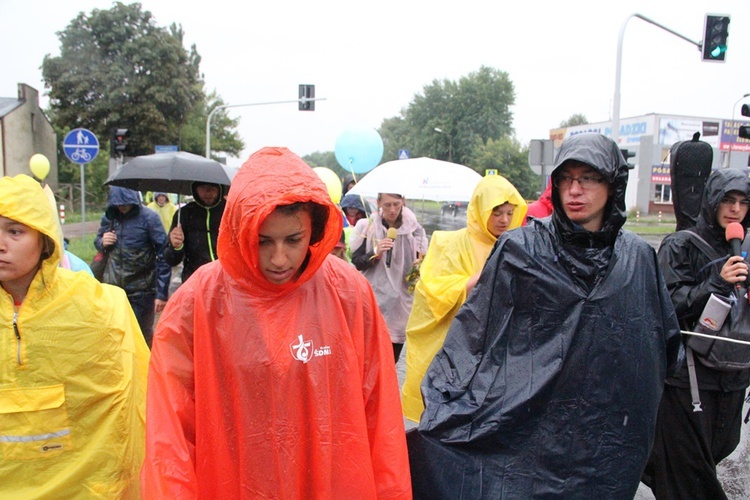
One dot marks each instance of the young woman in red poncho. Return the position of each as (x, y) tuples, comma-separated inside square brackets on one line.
[(272, 371)]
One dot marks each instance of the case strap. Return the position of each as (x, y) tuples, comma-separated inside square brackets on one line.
[(694, 393)]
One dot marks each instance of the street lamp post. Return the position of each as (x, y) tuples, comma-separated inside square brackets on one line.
[(450, 142), (217, 108), (618, 68)]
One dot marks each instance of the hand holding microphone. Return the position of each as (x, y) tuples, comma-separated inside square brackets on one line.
[(392, 233), (735, 269)]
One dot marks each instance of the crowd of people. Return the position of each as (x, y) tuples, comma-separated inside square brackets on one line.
[(544, 353)]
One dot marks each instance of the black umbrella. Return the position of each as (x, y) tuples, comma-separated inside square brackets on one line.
[(170, 173)]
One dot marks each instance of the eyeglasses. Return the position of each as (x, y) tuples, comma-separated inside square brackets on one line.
[(585, 181), (731, 201)]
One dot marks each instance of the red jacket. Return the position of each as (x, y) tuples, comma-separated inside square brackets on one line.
[(543, 206), (259, 390)]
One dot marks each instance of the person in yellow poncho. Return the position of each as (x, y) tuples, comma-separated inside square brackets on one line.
[(449, 271), (73, 365), (163, 206)]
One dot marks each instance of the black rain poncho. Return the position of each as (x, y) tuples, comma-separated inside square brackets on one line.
[(691, 279), (551, 374)]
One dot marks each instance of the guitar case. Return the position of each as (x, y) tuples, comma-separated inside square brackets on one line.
[(689, 166)]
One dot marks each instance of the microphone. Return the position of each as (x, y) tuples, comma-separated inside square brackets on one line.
[(734, 234), (392, 233)]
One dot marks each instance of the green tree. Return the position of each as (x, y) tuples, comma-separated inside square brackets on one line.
[(325, 159), (468, 112), (576, 119), (396, 135), (117, 68), (511, 161), (224, 139)]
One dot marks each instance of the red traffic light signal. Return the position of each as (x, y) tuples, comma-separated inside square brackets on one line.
[(119, 141)]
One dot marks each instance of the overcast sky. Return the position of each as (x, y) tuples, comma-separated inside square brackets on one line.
[(369, 59)]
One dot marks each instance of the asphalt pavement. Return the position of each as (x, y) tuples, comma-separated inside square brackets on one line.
[(76, 229)]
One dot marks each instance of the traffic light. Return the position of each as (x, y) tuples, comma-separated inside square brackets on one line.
[(306, 92), (715, 34), (627, 155), (119, 141), (745, 129)]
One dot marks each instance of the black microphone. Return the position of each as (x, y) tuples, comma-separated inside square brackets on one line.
[(734, 234), (392, 233)]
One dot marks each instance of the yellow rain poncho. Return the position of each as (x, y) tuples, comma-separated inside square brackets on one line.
[(72, 376), (452, 258)]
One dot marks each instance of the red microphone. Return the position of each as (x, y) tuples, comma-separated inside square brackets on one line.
[(734, 234)]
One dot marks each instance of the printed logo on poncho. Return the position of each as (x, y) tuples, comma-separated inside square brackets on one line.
[(304, 351)]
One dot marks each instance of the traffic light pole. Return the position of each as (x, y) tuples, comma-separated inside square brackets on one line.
[(217, 108), (618, 70)]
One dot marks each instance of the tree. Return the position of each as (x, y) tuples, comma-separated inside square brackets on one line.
[(469, 112), (511, 161), (117, 68), (576, 119), (396, 135), (224, 139), (325, 159)]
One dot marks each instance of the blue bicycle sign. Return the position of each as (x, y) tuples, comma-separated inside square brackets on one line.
[(81, 145)]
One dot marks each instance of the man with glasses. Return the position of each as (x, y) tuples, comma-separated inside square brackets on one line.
[(551, 374), (691, 440)]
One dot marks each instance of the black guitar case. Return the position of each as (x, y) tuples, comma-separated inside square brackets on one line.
[(689, 166)]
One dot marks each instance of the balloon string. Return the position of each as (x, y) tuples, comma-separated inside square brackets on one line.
[(361, 197)]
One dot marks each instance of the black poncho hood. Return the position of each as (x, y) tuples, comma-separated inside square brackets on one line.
[(719, 183), (602, 154)]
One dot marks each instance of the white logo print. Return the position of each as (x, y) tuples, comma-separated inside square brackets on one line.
[(303, 350)]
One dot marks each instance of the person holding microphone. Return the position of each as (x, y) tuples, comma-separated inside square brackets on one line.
[(385, 248)]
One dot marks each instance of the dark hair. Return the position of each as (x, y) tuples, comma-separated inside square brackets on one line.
[(318, 217), (48, 247)]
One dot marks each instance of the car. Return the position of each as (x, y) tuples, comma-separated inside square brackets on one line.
[(452, 207)]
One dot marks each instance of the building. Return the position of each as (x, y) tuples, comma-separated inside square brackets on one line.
[(651, 136), (25, 131)]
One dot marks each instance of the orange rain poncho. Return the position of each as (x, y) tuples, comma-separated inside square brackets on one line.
[(259, 390), (452, 258), (72, 375)]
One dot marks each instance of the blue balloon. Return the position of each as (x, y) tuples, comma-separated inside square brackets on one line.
[(359, 150)]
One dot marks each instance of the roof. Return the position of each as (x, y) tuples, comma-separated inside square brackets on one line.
[(8, 104)]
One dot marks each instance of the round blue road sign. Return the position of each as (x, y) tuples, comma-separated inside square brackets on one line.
[(81, 145)]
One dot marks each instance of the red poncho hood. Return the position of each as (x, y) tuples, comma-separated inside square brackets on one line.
[(256, 191)]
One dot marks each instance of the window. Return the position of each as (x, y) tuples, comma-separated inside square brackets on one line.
[(662, 193)]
